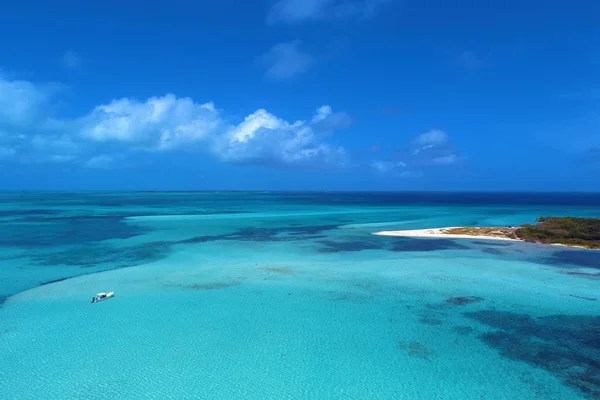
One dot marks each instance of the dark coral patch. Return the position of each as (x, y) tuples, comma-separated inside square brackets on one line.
[(463, 330), (410, 244), (464, 300), (416, 350), (67, 231), (491, 243), (204, 286), (568, 346), (491, 250), (95, 255), (579, 258), (349, 296), (213, 285), (281, 234), (53, 281), (279, 270), (366, 284), (589, 275), (432, 321), (338, 246), (18, 213), (202, 239)]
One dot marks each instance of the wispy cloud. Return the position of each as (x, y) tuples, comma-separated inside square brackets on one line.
[(387, 166), (26, 120), (72, 61), (376, 148), (325, 120), (431, 149), (7, 152), (101, 161), (434, 137), (292, 11), (588, 95), (30, 134), (575, 127), (286, 60), (22, 102), (391, 111), (297, 11), (469, 60), (591, 156)]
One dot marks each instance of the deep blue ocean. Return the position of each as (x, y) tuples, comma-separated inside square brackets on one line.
[(283, 295)]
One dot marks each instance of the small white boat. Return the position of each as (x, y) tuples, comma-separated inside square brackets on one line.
[(102, 296)]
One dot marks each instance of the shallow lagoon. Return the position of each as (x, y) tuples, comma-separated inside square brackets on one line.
[(289, 296)]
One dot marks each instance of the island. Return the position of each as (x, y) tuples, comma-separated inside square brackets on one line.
[(560, 231)]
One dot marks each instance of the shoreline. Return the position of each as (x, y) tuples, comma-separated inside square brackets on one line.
[(499, 233), (437, 233)]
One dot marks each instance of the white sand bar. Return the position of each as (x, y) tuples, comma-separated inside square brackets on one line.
[(440, 233)]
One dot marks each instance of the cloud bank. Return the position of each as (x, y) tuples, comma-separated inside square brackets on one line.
[(30, 133)]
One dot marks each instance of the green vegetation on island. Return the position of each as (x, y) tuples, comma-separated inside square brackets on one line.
[(569, 231), (498, 232)]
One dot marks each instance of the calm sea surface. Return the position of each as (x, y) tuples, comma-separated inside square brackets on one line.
[(240, 295)]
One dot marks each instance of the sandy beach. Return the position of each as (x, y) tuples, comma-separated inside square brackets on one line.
[(441, 233)]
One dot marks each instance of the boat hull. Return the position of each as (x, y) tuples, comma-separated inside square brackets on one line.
[(103, 297)]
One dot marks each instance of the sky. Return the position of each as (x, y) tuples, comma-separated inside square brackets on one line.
[(463, 95)]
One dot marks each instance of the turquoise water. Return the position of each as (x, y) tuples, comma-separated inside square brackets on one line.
[(289, 296)]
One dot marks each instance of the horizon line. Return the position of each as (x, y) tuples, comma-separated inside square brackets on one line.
[(265, 191)]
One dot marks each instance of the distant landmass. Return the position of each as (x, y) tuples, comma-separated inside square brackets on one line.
[(570, 231), (566, 231)]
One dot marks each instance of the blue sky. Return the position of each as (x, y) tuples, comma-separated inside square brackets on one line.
[(300, 94)]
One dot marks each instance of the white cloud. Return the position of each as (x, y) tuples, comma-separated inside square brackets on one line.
[(70, 60), (170, 123), (326, 120), (166, 123), (101, 161), (445, 160), (262, 137), (428, 150), (25, 119), (395, 169), (159, 123), (322, 113), (422, 148), (432, 148), (21, 102), (434, 137), (286, 60), (387, 166), (297, 11)]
